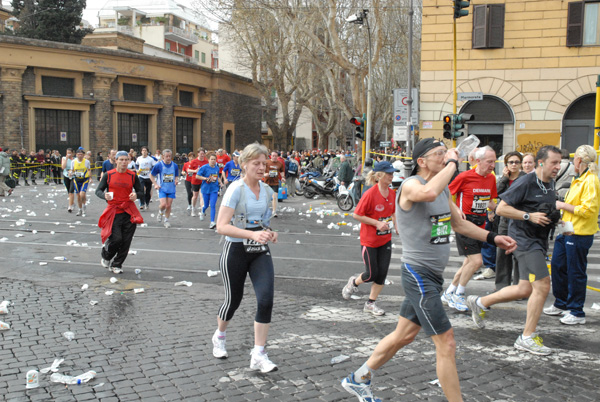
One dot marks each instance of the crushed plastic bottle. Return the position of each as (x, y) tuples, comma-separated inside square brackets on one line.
[(339, 359), (53, 367), (113, 280), (4, 326), (138, 290), (4, 307), (212, 273), (297, 241), (138, 271), (60, 258), (467, 146), (69, 335), (184, 283), (66, 379), (85, 286)]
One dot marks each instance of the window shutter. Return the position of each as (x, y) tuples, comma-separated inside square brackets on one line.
[(479, 26), (496, 26), (575, 24)]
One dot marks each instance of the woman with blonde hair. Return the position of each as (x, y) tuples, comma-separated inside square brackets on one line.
[(376, 211), (569, 258), (244, 219)]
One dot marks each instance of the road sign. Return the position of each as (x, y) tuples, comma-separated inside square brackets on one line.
[(384, 144), (400, 133), (401, 106), (469, 96)]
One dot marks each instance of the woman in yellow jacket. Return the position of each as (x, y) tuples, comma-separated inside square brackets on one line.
[(569, 258)]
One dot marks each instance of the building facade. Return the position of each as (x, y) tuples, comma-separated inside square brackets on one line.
[(536, 63), (55, 96)]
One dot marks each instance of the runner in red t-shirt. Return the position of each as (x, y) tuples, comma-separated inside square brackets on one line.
[(475, 191), (376, 212), (222, 159), (195, 165), (188, 180)]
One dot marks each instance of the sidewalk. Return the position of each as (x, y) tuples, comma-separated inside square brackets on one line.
[(155, 346)]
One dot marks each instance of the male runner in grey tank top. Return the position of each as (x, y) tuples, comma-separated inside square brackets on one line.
[(426, 214)]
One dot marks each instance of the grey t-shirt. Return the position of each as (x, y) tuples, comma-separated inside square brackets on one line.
[(425, 231), (526, 195)]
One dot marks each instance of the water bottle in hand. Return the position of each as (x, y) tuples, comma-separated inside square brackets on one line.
[(467, 146)]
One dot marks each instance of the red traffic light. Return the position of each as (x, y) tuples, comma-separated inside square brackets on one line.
[(356, 121)]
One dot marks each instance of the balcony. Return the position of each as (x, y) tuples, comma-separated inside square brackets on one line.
[(180, 35)]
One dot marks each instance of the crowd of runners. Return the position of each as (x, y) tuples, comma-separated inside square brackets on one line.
[(515, 213)]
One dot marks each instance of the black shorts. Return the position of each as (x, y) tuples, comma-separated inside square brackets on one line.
[(275, 188), (67, 181), (467, 246), (196, 187)]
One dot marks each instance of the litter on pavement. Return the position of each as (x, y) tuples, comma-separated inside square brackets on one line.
[(183, 283)]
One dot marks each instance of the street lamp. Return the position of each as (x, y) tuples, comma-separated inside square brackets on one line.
[(360, 18)]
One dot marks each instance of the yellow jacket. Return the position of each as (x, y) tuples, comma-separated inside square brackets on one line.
[(584, 195)]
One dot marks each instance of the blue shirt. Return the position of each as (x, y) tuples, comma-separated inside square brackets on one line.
[(207, 171), (106, 166), (256, 210), (166, 176), (233, 170)]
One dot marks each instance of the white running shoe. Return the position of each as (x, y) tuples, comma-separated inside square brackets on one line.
[(260, 361), (194, 212), (460, 304), (553, 310), (219, 350), (570, 319), (349, 289), (189, 208), (159, 217), (117, 270), (201, 216), (79, 212), (105, 263), (373, 309), (533, 345), (167, 224), (477, 313), (361, 390), (447, 299), (212, 225)]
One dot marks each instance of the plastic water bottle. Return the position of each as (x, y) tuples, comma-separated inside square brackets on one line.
[(67, 379), (467, 146), (339, 359)]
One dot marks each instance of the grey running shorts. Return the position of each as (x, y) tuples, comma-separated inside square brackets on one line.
[(532, 265)]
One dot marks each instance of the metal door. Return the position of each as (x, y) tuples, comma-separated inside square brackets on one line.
[(184, 135), (57, 129), (133, 131)]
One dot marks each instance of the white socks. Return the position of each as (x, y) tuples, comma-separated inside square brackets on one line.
[(363, 374)]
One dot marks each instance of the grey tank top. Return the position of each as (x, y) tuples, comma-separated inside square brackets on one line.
[(425, 231)]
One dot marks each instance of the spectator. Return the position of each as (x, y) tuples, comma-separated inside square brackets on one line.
[(565, 175)]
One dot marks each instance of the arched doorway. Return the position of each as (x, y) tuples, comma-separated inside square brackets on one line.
[(493, 123), (578, 123)]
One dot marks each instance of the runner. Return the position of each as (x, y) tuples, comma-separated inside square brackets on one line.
[(231, 170), (376, 212), (164, 176), (273, 174), (81, 179), (426, 215), (120, 188), (523, 203), (211, 183), (222, 160), (244, 219), (145, 164), (109, 163), (188, 180), (195, 165), (67, 168), (475, 191)]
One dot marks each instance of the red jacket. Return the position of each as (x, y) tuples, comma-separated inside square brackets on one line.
[(108, 217)]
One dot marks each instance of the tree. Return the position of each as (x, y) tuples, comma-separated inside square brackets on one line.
[(55, 20)]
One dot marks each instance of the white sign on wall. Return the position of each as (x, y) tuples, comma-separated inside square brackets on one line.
[(63, 136), (401, 106), (400, 133)]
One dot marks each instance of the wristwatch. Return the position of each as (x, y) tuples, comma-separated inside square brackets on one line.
[(525, 216)]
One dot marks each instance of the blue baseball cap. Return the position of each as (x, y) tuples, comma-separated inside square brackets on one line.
[(384, 166)]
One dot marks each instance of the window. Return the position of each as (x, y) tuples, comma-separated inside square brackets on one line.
[(197, 55), (203, 57), (186, 98), (582, 24), (132, 92), (168, 46), (488, 26), (58, 86)]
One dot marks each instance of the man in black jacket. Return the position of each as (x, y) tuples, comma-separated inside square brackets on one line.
[(345, 174)]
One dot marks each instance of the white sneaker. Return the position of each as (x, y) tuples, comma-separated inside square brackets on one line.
[(194, 212), (167, 224), (201, 216), (79, 212), (349, 289), (447, 299), (459, 302), (553, 310), (487, 273), (219, 350), (212, 225), (105, 263), (373, 309), (570, 319), (533, 345), (159, 217), (189, 207), (260, 361)]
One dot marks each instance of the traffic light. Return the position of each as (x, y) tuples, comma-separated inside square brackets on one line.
[(359, 122), (459, 123), (448, 122), (459, 6)]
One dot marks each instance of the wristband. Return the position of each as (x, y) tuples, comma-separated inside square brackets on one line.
[(452, 161), (490, 238)]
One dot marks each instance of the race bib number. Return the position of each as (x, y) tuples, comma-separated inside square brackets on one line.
[(79, 174), (254, 247), (168, 178), (440, 229), (235, 172), (390, 226), (213, 177), (143, 172), (273, 173), (480, 204)]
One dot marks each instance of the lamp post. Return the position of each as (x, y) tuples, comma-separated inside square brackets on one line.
[(360, 18)]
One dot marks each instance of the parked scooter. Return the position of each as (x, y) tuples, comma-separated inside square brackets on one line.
[(324, 185), (346, 199), (303, 180)]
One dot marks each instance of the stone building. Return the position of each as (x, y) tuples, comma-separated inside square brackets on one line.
[(536, 62), (55, 95)]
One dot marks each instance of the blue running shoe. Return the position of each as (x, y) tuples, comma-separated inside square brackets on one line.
[(360, 390)]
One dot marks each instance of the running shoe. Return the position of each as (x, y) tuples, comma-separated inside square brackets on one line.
[(260, 361), (349, 289), (167, 224), (201, 216), (70, 209), (373, 309), (533, 345), (487, 273), (361, 390), (142, 207), (477, 312), (159, 217), (570, 319), (212, 225), (189, 208), (460, 304), (447, 299), (105, 263), (219, 350), (194, 212), (116, 270), (553, 310), (79, 212)]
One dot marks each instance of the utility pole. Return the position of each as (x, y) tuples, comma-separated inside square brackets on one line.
[(408, 163)]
